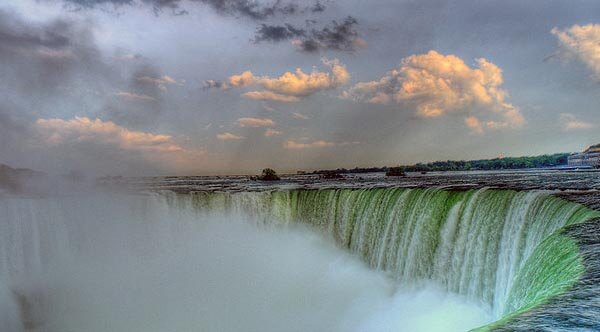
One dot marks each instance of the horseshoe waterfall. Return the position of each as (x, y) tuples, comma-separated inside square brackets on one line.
[(519, 260)]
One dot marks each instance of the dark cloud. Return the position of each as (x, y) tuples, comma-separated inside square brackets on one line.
[(318, 7), (140, 103), (242, 8), (214, 84), (277, 33), (341, 36), (55, 69), (45, 59)]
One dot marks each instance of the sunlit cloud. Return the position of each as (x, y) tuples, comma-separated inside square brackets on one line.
[(83, 129), (227, 136), (436, 85), (134, 96), (294, 145), (270, 132), (272, 96), (299, 116), (581, 43), (255, 122), (571, 123), (290, 86), (474, 123), (94, 138), (160, 82)]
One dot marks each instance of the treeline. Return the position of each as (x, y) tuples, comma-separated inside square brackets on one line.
[(543, 161)]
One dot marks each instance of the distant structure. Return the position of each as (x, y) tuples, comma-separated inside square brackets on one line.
[(587, 158)]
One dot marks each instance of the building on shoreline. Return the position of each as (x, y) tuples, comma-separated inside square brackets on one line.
[(588, 158)]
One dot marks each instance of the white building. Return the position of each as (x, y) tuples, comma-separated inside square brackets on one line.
[(587, 158)]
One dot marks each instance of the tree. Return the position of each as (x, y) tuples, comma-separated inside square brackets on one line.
[(395, 171), (269, 174)]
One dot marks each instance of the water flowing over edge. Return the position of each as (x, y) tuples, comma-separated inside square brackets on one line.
[(528, 255), (531, 257)]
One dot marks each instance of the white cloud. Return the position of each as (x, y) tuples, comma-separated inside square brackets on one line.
[(244, 79), (160, 82), (571, 123), (299, 116), (272, 96), (255, 122), (291, 86), (82, 138), (83, 129), (226, 136), (474, 123), (270, 132), (134, 97), (580, 42), (293, 145), (436, 85)]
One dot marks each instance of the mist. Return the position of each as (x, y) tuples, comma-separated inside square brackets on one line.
[(134, 263)]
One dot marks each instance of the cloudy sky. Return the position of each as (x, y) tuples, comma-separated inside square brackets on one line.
[(141, 87)]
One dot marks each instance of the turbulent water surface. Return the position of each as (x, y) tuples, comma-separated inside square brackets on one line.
[(387, 259)]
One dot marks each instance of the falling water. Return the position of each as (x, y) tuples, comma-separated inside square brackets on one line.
[(498, 249)]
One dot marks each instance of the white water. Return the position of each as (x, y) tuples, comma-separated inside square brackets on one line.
[(132, 263)]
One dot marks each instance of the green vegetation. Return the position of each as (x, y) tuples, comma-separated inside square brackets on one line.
[(493, 164), (395, 171), (543, 161), (268, 174)]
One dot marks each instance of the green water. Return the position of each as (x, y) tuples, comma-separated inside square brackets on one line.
[(500, 247)]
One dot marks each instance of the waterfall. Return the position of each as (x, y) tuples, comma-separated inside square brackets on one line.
[(501, 247), (509, 250)]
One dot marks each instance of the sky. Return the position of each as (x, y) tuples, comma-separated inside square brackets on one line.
[(155, 87)]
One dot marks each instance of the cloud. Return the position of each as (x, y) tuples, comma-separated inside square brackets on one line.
[(337, 36), (214, 84), (291, 86), (94, 145), (277, 33), (45, 58), (244, 79), (270, 132), (241, 8), (83, 129), (272, 96), (255, 122), (582, 43), (134, 97), (571, 123), (436, 85), (299, 116), (293, 145), (318, 7), (226, 136), (147, 93), (160, 82), (474, 123)]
